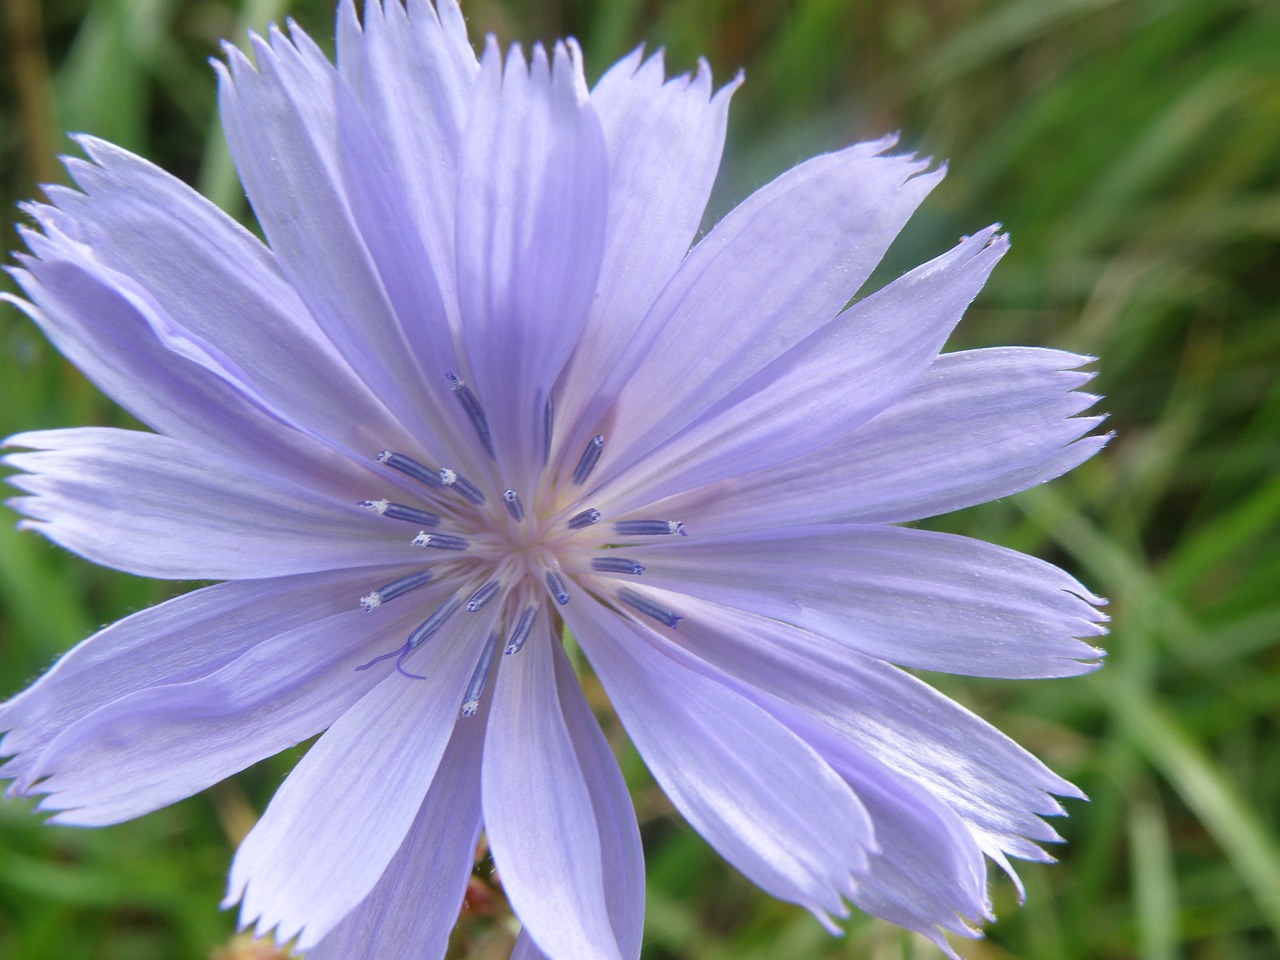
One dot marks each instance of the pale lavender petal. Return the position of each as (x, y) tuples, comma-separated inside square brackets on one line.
[(135, 754), (622, 855), (912, 597), (210, 292), (996, 788), (777, 812), (97, 321), (772, 272), (382, 211), (411, 911), (532, 200), (174, 642), (526, 949), (979, 425), (928, 873), (163, 508), (281, 125), (869, 356), (412, 71), (345, 810), (664, 139), (540, 815)]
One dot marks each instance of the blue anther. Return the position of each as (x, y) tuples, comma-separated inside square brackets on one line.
[(411, 467), (482, 596), (398, 511), (548, 422), (648, 528), (440, 541), (617, 565), (475, 689), (556, 586), (584, 519), (587, 462), (476, 415), (649, 607), (514, 506), (521, 633), (396, 588), (456, 481)]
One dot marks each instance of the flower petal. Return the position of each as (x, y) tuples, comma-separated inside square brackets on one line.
[(526, 949), (411, 911), (412, 71), (759, 794), (167, 741), (159, 507), (208, 291), (622, 856), (180, 640), (996, 788), (532, 199), (344, 812), (928, 600), (772, 272), (103, 324), (539, 812), (664, 141), (400, 115), (867, 358), (928, 874), (979, 425), (282, 128)]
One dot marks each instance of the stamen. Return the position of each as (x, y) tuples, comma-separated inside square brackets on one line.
[(617, 565), (396, 588), (514, 506), (483, 595), (649, 528), (440, 541), (428, 627), (398, 511), (548, 421), (475, 689), (411, 467), (476, 415), (556, 586), (421, 633), (647, 606), (455, 480), (521, 633), (587, 462), (584, 519)]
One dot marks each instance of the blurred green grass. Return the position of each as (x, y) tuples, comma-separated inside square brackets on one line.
[(1132, 149)]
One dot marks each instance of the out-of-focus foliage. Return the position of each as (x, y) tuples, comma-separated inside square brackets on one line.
[(1131, 147)]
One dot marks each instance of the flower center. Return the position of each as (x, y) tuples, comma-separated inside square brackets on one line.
[(507, 548)]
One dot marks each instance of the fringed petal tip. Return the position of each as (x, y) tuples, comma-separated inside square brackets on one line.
[(261, 927), (272, 936), (827, 921)]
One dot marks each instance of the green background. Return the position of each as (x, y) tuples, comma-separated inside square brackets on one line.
[(1131, 148)]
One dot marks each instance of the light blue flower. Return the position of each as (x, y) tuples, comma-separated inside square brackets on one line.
[(475, 386)]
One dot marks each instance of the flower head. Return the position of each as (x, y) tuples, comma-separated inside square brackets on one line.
[(476, 388)]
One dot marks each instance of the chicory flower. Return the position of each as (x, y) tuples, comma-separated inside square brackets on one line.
[(476, 389)]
